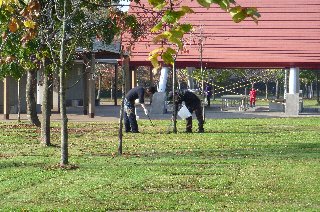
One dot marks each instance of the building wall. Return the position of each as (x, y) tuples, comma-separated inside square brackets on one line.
[(287, 35), (75, 84), (13, 95)]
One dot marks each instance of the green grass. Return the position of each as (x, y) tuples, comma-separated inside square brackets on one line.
[(237, 165), (311, 103)]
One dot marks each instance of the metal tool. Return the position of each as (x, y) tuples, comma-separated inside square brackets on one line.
[(150, 120)]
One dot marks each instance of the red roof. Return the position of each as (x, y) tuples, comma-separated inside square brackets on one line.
[(288, 35)]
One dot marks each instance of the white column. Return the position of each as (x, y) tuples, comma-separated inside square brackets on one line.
[(39, 86), (190, 78), (55, 93), (92, 87), (285, 85), (163, 79), (294, 81), (292, 99)]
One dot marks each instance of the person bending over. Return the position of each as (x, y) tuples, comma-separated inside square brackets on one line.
[(136, 93), (193, 103)]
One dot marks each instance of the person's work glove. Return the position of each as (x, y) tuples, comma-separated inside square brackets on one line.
[(146, 111)]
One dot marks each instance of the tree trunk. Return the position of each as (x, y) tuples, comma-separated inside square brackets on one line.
[(213, 92), (120, 135), (266, 90), (174, 112), (30, 97), (63, 112), (46, 109), (311, 90), (277, 89), (317, 88)]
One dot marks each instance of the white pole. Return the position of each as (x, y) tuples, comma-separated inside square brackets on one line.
[(285, 86), (163, 79), (294, 81)]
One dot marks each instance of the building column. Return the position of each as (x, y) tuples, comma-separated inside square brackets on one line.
[(115, 84), (285, 84), (39, 89), (85, 90), (292, 98), (55, 93), (6, 98), (190, 78), (92, 87), (163, 79), (159, 98), (133, 77)]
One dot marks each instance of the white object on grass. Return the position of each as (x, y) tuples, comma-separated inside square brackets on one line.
[(184, 112)]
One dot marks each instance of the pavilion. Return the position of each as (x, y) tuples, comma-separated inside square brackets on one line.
[(287, 37)]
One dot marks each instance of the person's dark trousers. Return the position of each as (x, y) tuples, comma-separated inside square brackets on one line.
[(208, 100), (189, 124), (199, 115), (130, 120), (198, 112)]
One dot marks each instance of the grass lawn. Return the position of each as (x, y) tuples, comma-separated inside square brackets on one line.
[(237, 165)]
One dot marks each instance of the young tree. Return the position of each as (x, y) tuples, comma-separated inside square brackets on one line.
[(16, 52)]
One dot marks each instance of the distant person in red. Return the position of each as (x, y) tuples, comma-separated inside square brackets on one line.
[(253, 96)]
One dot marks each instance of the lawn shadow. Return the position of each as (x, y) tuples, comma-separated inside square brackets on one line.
[(294, 151)]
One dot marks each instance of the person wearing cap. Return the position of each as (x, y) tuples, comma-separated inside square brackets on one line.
[(193, 103), (136, 93)]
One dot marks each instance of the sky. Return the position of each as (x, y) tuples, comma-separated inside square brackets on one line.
[(124, 2)]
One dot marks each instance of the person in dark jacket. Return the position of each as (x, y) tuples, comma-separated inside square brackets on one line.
[(137, 93), (193, 103)]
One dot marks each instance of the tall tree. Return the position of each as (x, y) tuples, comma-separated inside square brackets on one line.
[(17, 29), (76, 23)]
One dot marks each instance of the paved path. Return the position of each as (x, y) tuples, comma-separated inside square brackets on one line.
[(111, 113)]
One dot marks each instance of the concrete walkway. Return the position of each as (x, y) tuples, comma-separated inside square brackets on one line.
[(111, 113)]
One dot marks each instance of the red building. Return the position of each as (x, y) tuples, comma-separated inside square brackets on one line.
[(287, 35)]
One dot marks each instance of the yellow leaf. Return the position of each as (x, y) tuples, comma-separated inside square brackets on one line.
[(9, 8), (30, 24), (156, 50), (154, 60)]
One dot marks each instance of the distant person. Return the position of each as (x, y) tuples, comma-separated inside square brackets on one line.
[(208, 92), (137, 93), (193, 104), (253, 96)]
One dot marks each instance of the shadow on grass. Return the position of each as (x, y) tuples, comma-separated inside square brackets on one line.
[(296, 151)]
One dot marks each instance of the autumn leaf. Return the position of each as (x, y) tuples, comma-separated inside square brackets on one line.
[(167, 58), (13, 25), (154, 60), (186, 9), (224, 4), (29, 24), (171, 51), (204, 3), (160, 49), (157, 4), (157, 27)]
